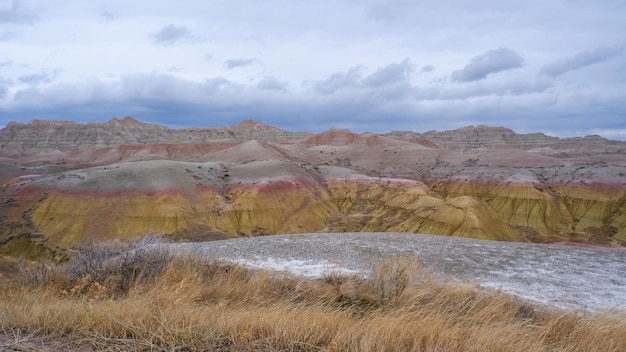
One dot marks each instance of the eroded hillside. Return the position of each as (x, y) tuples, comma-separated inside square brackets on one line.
[(64, 183)]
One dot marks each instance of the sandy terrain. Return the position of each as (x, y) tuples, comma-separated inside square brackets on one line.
[(588, 279)]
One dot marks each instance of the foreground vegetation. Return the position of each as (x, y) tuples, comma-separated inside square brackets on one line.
[(132, 297)]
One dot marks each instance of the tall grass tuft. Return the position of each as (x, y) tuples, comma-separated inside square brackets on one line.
[(135, 297)]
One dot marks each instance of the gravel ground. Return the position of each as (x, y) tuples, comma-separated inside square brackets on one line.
[(587, 279)]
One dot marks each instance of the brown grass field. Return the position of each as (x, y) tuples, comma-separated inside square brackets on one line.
[(119, 297)]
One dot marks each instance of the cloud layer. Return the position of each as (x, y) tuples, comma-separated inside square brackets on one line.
[(369, 65)]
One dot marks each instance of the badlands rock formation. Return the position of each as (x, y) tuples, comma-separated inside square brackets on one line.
[(63, 184)]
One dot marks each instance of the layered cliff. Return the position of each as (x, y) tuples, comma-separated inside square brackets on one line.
[(476, 137), (220, 200), (64, 134)]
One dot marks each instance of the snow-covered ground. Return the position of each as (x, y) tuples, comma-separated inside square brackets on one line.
[(588, 279)]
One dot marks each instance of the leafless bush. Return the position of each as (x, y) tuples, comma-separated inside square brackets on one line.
[(117, 266), (35, 274)]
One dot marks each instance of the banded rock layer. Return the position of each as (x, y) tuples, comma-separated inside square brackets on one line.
[(253, 179)]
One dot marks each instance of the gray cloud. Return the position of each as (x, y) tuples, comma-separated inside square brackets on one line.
[(340, 80), (160, 96), (385, 79), (485, 88), (234, 63), (170, 35), (108, 16), (392, 73), (427, 69), (37, 78), (581, 60), (152, 87), (493, 61), (174, 101), (270, 83), (6, 36), (389, 82), (17, 14), (4, 86), (218, 85), (387, 11), (393, 82), (154, 97)]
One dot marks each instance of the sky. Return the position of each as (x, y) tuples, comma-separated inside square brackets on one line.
[(557, 67)]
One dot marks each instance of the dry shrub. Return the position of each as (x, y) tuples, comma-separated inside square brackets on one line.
[(115, 267), (392, 276), (35, 274)]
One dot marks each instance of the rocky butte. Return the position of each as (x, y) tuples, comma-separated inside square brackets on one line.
[(63, 184)]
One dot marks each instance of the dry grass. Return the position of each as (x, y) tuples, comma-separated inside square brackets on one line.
[(153, 301)]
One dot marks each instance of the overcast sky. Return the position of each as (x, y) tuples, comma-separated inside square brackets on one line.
[(556, 66)]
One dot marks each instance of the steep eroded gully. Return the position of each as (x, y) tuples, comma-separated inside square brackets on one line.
[(586, 279)]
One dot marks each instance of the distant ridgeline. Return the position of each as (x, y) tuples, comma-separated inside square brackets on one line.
[(59, 134)]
